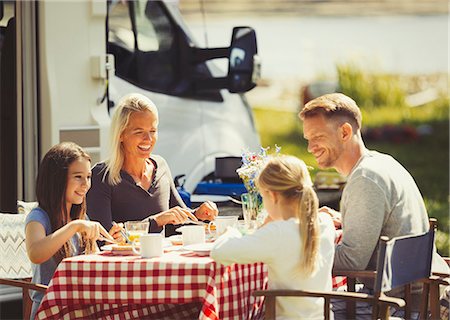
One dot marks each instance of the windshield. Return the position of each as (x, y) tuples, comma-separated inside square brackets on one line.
[(141, 38), (152, 50)]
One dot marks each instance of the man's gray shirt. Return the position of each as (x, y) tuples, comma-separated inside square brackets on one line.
[(380, 199)]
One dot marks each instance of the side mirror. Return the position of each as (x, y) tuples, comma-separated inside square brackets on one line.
[(244, 67)]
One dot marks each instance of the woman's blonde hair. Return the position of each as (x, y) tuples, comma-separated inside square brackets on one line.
[(134, 102), (289, 176)]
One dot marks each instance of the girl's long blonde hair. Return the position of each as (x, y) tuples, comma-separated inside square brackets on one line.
[(134, 102), (289, 176)]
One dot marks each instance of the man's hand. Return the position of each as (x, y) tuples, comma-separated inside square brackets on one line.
[(335, 215)]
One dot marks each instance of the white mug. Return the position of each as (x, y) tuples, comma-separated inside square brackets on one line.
[(151, 245), (192, 234), (222, 223)]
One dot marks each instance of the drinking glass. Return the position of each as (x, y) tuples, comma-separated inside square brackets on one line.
[(135, 229)]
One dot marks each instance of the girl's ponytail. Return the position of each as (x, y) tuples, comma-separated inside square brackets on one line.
[(309, 229)]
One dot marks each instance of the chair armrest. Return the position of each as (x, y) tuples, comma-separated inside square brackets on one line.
[(437, 278), (442, 275), (447, 260), (355, 274), (24, 284), (390, 301)]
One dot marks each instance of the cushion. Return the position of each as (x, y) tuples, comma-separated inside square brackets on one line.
[(13, 256), (25, 207)]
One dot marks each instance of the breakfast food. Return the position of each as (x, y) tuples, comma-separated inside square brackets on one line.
[(121, 247), (176, 240)]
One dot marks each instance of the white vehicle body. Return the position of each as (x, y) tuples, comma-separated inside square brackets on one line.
[(63, 85)]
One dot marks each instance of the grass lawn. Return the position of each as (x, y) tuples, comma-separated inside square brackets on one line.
[(426, 158)]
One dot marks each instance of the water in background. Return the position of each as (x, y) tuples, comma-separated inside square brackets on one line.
[(308, 47)]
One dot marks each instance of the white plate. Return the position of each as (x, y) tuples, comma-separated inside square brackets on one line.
[(127, 250), (200, 247), (118, 250), (176, 239), (116, 247)]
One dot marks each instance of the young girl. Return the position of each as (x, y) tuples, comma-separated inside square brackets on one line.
[(297, 244), (58, 227)]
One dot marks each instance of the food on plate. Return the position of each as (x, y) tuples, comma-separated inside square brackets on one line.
[(176, 240), (121, 247)]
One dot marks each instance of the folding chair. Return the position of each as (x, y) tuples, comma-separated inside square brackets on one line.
[(430, 283), (15, 267), (435, 281), (399, 266)]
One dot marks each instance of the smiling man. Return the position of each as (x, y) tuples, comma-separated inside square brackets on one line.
[(380, 197)]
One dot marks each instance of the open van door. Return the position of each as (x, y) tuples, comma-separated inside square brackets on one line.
[(18, 103)]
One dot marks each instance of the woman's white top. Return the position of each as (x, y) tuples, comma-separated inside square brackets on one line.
[(278, 244)]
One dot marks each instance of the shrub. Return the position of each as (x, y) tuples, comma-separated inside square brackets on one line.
[(370, 89)]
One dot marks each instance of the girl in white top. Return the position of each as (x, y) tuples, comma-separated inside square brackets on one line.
[(297, 243)]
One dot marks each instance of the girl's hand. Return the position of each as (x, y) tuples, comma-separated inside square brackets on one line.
[(335, 215), (207, 211), (116, 233), (92, 229), (175, 215)]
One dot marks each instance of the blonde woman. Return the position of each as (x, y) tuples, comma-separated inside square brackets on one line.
[(297, 243), (134, 184)]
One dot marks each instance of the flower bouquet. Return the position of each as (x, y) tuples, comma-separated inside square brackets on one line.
[(252, 164)]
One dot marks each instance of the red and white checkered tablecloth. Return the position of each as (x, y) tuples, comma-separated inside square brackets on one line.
[(177, 285), (339, 282)]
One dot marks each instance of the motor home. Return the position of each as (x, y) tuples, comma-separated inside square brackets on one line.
[(65, 64)]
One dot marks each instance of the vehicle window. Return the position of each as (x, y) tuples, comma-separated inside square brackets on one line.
[(148, 39), (120, 28), (147, 47), (120, 31), (144, 50)]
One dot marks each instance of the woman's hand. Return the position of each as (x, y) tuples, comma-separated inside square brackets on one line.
[(207, 211), (175, 215), (335, 215), (116, 233)]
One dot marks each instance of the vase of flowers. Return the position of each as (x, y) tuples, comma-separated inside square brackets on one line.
[(251, 209), (252, 206)]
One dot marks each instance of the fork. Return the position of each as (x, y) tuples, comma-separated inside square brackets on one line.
[(123, 233), (189, 221)]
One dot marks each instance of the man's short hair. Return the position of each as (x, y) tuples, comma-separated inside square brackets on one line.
[(334, 106)]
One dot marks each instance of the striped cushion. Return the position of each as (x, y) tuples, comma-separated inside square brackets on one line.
[(14, 262)]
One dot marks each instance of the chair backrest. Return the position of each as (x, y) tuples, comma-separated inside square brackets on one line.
[(404, 260), (15, 267), (14, 262)]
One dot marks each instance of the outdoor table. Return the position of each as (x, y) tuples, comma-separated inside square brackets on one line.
[(177, 285)]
